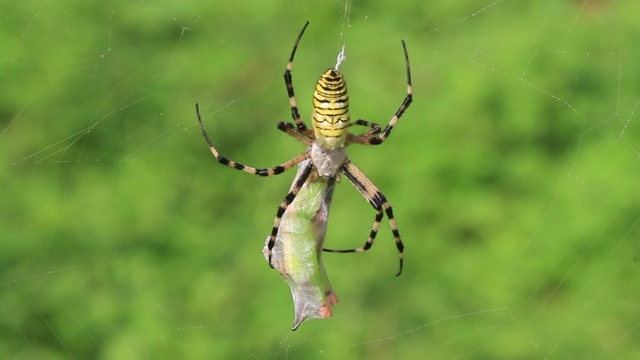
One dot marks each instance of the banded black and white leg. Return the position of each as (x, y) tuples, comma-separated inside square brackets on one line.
[(293, 192), (295, 114), (373, 138), (291, 130), (379, 203), (361, 139), (276, 170)]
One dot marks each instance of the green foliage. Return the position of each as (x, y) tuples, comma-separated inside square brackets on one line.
[(513, 176)]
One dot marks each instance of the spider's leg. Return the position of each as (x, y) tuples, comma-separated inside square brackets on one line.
[(252, 170), (375, 128), (291, 130), (376, 139), (362, 138), (302, 128), (295, 188), (379, 202)]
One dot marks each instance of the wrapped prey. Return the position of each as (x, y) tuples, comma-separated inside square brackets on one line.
[(297, 254)]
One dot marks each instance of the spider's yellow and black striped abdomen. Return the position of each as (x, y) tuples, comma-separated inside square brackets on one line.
[(331, 110)]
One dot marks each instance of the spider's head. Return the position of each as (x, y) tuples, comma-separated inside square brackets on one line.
[(331, 110)]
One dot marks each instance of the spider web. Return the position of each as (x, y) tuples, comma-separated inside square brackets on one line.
[(513, 176)]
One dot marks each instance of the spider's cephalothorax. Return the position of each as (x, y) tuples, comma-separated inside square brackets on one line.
[(330, 117), (326, 148)]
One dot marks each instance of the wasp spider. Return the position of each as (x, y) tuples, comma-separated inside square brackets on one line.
[(326, 143)]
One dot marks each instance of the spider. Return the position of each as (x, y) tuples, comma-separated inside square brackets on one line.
[(326, 143)]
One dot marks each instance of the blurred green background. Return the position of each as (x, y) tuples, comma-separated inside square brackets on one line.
[(513, 176)]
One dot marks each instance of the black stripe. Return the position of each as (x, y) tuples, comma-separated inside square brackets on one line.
[(380, 197), (321, 101), (331, 113), (344, 99), (275, 171), (376, 141), (332, 87), (330, 128), (332, 81), (238, 166)]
